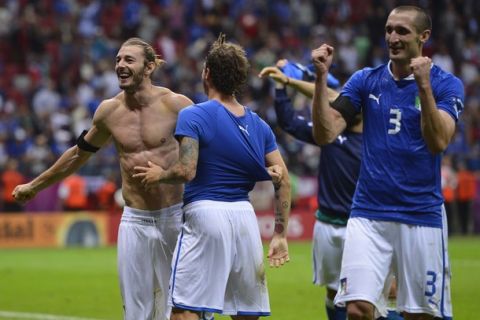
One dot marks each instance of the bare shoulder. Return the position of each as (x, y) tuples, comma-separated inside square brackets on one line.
[(106, 107), (174, 101)]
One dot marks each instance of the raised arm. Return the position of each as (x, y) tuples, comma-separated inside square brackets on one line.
[(288, 118), (278, 250), (438, 127), (69, 162), (328, 123)]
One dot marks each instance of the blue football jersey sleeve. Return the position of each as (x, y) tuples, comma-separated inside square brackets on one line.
[(192, 123), (354, 87), (450, 95)]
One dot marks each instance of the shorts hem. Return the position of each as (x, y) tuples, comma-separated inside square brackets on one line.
[(342, 302), (427, 311), (199, 309)]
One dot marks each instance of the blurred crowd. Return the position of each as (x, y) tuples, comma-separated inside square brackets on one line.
[(57, 63)]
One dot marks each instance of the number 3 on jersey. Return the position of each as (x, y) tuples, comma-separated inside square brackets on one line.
[(395, 118)]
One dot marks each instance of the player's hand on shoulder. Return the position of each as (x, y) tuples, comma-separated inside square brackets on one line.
[(421, 69), (149, 176), (322, 59), (278, 251), (23, 193)]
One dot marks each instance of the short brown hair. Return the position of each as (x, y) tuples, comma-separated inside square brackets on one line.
[(422, 19), (228, 66), (148, 51)]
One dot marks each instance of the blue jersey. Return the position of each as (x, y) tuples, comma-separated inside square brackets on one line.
[(339, 163), (399, 178), (231, 151)]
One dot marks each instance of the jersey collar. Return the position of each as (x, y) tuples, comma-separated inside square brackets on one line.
[(389, 67), (409, 77)]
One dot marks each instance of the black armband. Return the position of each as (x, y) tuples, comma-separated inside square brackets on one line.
[(343, 105), (84, 145)]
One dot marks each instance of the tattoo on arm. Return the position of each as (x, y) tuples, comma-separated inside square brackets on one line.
[(280, 207), (189, 157), (279, 223), (276, 186)]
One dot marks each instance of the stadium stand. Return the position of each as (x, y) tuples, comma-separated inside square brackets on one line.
[(57, 63)]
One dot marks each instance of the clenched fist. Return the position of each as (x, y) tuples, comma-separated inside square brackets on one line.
[(23, 193)]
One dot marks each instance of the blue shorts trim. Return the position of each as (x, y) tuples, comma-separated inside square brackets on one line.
[(199, 309), (250, 313)]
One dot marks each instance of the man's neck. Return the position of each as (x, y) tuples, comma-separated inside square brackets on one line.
[(138, 98), (228, 101), (400, 69)]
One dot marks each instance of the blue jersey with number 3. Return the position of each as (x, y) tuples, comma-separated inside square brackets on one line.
[(399, 178), (231, 151)]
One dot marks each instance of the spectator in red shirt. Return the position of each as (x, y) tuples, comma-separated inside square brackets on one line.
[(9, 179)]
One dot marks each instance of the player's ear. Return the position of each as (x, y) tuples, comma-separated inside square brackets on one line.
[(425, 35), (206, 73), (149, 69)]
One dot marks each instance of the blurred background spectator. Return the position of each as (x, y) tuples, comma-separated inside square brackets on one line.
[(57, 63), (9, 179), (73, 193)]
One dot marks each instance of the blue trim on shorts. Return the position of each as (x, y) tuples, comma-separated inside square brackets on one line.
[(176, 263), (442, 306), (199, 309), (250, 313)]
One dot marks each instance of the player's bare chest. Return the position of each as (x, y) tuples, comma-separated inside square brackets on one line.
[(143, 131)]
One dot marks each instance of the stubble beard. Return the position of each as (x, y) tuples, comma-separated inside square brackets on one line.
[(137, 79)]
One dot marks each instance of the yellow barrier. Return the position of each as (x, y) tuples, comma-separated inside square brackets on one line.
[(59, 229)]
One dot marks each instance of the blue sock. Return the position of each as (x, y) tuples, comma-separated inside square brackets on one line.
[(334, 312)]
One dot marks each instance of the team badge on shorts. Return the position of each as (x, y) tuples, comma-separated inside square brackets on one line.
[(343, 286)]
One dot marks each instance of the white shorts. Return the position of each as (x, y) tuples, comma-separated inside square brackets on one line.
[(218, 263), (328, 241), (416, 254), (447, 304), (146, 241)]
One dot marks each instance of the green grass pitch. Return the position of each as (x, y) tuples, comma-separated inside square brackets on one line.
[(82, 283)]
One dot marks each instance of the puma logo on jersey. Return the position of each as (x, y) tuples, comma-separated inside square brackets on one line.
[(244, 129), (341, 139), (371, 96), (457, 105)]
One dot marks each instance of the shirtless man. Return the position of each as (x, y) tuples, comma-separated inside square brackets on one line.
[(141, 121)]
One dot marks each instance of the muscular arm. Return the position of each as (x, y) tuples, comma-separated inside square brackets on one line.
[(278, 251), (328, 123), (69, 162), (438, 126), (304, 87), (290, 121), (308, 89), (181, 171)]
